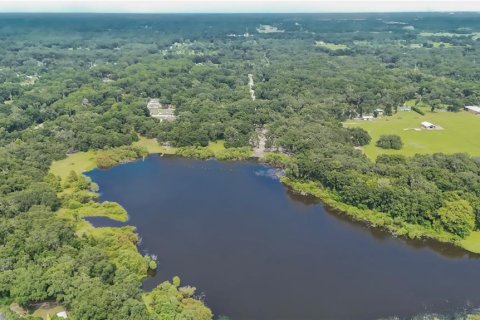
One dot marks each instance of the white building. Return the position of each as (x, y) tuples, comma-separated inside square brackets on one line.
[(404, 108), (473, 109), (428, 125), (368, 118), (62, 314)]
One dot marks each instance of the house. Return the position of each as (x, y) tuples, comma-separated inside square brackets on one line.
[(153, 103), (379, 111), (62, 314), (428, 125), (161, 111), (368, 118), (404, 108), (473, 109)]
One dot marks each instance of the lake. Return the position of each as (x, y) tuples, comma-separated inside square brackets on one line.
[(258, 251)]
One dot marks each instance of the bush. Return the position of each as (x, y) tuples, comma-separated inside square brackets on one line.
[(390, 142), (195, 152), (276, 159), (234, 154), (417, 110)]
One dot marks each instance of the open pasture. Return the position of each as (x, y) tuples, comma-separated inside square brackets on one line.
[(460, 133)]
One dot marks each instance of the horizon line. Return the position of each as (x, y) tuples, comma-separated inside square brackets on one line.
[(238, 6), (238, 12)]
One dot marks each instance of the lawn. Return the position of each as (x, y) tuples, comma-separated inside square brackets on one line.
[(439, 44), (85, 161), (217, 146), (47, 310), (79, 162), (472, 242), (460, 133), (152, 146)]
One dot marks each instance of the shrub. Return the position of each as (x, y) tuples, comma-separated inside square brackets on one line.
[(390, 142), (195, 152), (417, 110), (276, 159), (234, 154)]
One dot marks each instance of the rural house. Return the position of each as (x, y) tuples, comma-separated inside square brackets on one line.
[(161, 111), (368, 118)]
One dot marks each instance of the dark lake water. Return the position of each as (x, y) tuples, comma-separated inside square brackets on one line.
[(257, 251)]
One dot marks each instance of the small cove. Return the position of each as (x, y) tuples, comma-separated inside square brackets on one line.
[(257, 251)]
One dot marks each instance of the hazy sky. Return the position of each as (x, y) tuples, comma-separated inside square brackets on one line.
[(217, 6)]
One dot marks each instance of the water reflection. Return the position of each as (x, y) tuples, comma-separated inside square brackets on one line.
[(445, 249)]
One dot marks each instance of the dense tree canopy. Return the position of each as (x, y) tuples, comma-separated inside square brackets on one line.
[(79, 82)]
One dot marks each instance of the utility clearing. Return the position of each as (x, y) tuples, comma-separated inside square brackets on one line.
[(259, 150), (250, 86)]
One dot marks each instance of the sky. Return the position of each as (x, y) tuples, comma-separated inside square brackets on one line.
[(231, 6)]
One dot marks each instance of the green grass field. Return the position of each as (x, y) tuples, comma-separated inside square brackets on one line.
[(472, 242), (461, 132), (79, 162), (152, 146), (85, 161)]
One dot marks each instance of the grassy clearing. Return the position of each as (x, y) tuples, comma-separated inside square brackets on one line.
[(79, 162), (152, 146), (331, 46), (217, 146), (47, 311), (472, 243), (85, 161), (460, 133), (437, 44)]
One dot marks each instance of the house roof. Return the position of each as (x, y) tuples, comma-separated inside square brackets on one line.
[(427, 124), (473, 108)]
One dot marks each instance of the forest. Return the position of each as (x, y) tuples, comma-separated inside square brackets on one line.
[(74, 83)]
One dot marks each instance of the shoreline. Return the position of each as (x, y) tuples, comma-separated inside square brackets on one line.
[(85, 161), (377, 219)]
